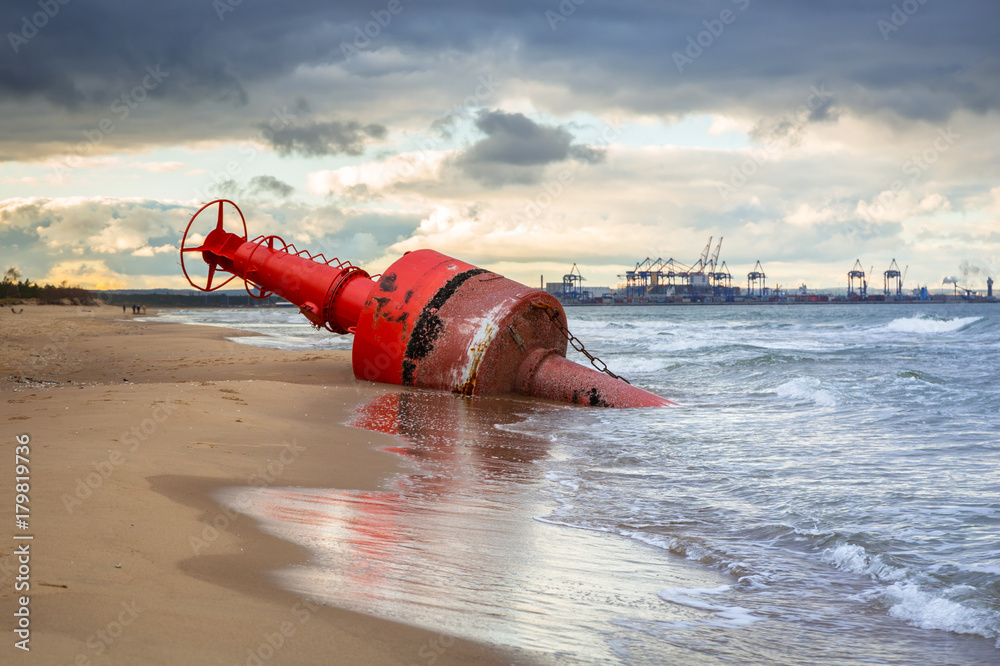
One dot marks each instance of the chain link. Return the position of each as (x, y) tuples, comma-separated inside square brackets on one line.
[(576, 343)]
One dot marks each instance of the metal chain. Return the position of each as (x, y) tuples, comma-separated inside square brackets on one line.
[(576, 343)]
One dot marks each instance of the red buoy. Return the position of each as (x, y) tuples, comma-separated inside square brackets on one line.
[(430, 321)]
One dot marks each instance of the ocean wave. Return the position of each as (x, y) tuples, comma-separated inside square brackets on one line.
[(916, 375), (292, 343), (906, 600), (854, 558), (930, 324), (633, 363), (803, 389), (729, 616), (927, 610)]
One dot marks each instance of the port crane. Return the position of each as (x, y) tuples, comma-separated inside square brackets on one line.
[(703, 259), (857, 273), (714, 262), (572, 285), (891, 277), (756, 281)]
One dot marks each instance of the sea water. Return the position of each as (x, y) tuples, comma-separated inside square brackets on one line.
[(829, 482)]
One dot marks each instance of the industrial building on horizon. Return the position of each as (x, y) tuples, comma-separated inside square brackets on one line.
[(709, 281)]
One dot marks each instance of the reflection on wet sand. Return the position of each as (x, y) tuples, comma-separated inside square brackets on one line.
[(453, 545)]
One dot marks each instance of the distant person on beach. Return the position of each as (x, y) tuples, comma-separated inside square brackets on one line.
[(143, 309), (123, 308)]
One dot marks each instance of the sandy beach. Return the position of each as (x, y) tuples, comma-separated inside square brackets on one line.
[(132, 426)]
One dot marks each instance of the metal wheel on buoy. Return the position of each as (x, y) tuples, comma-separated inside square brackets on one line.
[(211, 259)]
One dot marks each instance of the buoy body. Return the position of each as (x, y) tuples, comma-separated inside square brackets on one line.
[(437, 322), (429, 321)]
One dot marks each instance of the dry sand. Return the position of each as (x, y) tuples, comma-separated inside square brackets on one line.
[(132, 424)]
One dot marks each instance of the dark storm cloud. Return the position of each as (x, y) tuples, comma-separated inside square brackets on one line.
[(936, 57), (513, 138), (587, 154), (271, 185), (314, 139), (516, 149), (256, 187)]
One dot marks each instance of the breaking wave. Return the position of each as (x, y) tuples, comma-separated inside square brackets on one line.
[(930, 324), (906, 600)]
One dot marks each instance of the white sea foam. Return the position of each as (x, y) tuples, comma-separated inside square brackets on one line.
[(803, 389), (927, 324), (629, 364), (689, 596), (729, 616), (854, 558), (928, 611), (907, 601), (295, 343)]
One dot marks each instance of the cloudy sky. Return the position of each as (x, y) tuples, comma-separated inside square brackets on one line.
[(522, 136)]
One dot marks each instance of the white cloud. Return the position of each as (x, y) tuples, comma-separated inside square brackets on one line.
[(149, 251), (889, 206), (159, 167), (96, 274), (722, 124), (376, 176), (87, 273), (102, 225), (995, 201), (806, 215), (490, 237)]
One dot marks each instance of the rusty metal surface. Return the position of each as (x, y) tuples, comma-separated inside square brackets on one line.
[(557, 378), (450, 328)]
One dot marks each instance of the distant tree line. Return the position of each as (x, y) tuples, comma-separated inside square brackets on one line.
[(182, 300), (12, 287)]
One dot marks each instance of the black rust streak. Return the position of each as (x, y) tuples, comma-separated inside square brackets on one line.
[(409, 369), (382, 302), (596, 400), (429, 325), (387, 283)]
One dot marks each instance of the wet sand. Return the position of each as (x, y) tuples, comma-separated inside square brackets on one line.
[(132, 426)]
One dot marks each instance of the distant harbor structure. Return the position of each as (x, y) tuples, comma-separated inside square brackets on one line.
[(707, 280)]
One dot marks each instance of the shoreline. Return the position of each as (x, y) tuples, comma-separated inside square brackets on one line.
[(132, 428)]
